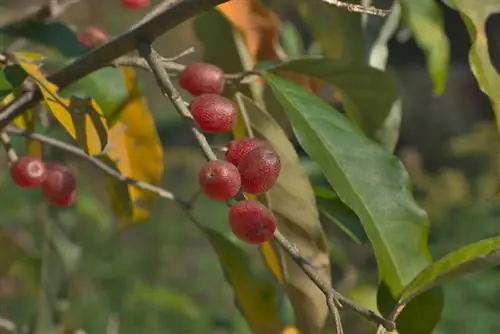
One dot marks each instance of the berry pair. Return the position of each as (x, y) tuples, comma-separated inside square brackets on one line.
[(56, 181)]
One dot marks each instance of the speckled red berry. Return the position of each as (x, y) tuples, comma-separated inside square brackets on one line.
[(28, 172), (219, 180), (252, 222), (259, 170), (59, 187), (92, 36), (238, 149), (135, 4), (202, 78), (213, 113)]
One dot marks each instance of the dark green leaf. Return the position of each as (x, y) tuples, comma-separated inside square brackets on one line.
[(425, 19), (367, 93), (368, 179), (420, 316), (11, 77)]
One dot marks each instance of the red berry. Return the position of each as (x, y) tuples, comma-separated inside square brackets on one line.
[(92, 36), (259, 170), (219, 180), (135, 4), (252, 222), (28, 172), (238, 149), (213, 113), (202, 78), (59, 187)]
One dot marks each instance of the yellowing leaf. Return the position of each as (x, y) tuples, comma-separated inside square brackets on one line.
[(293, 202), (255, 299), (135, 147), (81, 118)]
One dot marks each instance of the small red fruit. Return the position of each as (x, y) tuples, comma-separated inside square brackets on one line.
[(252, 222), (238, 149), (213, 113), (135, 4), (28, 172), (219, 180), (92, 36), (202, 78), (259, 170), (59, 187)]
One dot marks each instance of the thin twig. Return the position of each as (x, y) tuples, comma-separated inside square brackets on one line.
[(358, 8), (333, 298), (94, 161)]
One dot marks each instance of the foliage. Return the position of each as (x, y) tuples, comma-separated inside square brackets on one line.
[(118, 253)]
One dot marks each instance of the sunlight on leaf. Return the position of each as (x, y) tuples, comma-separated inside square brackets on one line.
[(81, 118), (135, 147)]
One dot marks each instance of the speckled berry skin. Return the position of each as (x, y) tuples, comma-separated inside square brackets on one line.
[(238, 149), (219, 180), (202, 78), (213, 113), (59, 187), (135, 4), (251, 222), (259, 170), (28, 172)]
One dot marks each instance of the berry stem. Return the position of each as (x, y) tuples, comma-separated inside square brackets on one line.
[(9, 150), (334, 299)]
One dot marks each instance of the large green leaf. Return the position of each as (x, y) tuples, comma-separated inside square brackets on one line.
[(256, 299), (475, 17), (371, 181), (367, 93), (479, 255), (424, 17)]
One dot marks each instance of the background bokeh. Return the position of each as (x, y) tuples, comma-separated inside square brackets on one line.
[(163, 277)]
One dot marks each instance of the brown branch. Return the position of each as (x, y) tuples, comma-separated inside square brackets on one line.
[(333, 297), (177, 12)]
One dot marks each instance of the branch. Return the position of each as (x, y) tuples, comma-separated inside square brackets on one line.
[(172, 15), (333, 297), (358, 8)]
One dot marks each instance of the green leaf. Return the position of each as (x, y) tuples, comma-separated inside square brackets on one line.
[(11, 77), (54, 35), (475, 17), (368, 179), (292, 201), (291, 40), (367, 93), (425, 19), (420, 316), (257, 300), (477, 256)]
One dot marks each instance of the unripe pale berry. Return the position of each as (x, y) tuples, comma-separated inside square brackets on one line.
[(252, 222), (28, 172), (259, 170), (92, 36), (213, 113), (59, 187), (202, 78), (219, 180), (135, 4), (238, 149)]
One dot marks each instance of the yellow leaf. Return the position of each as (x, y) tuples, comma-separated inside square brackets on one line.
[(81, 118), (135, 147), (256, 299), (293, 203)]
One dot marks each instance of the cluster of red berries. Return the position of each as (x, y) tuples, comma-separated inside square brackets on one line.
[(250, 164), (57, 183)]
